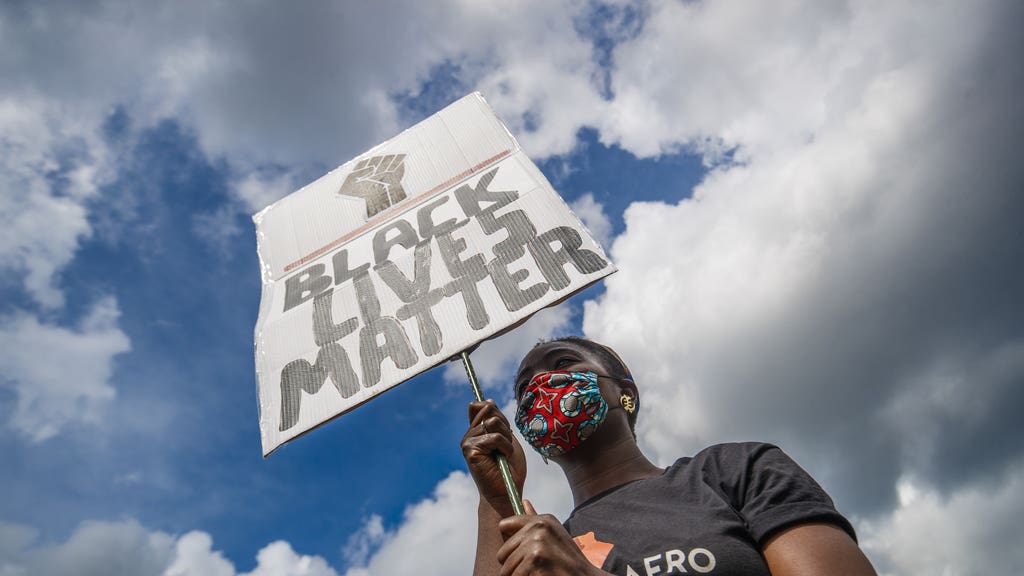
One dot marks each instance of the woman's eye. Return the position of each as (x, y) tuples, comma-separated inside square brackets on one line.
[(563, 362)]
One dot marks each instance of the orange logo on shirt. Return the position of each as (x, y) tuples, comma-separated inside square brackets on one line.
[(593, 549)]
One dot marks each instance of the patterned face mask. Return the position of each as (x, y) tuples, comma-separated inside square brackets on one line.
[(559, 410)]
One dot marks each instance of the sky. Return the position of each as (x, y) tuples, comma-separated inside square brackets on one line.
[(815, 208)]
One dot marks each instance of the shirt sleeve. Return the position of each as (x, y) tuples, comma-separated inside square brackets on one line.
[(768, 489)]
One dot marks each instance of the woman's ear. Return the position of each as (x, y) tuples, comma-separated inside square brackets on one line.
[(630, 387), (628, 396)]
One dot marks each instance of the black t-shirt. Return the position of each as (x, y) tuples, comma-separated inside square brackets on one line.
[(710, 514)]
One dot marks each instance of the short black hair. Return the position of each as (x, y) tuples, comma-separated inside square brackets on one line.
[(618, 369)]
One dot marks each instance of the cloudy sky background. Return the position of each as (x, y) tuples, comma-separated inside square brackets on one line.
[(815, 207)]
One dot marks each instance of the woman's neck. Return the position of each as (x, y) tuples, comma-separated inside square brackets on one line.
[(590, 472)]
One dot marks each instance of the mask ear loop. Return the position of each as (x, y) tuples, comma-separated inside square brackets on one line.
[(610, 377), (629, 375), (629, 378)]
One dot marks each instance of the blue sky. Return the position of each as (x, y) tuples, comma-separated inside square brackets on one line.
[(814, 210)]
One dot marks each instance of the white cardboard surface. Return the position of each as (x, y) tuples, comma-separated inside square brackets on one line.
[(400, 259)]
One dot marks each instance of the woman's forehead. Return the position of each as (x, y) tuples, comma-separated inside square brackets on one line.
[(541, 352)]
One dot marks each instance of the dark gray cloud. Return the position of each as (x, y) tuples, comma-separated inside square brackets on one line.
[(854, 293)]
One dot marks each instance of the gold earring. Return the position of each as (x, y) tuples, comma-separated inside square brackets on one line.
[(627, 403)]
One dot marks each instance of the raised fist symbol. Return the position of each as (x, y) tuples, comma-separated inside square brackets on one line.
[(378, 180)]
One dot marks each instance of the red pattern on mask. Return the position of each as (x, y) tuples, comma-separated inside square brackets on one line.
[(555, 408)]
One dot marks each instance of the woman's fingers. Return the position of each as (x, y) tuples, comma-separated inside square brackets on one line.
[(496, 424), (488, 433), (485, 445), (485, 418), (480, 411)]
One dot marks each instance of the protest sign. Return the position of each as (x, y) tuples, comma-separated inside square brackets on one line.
[(400, 259)]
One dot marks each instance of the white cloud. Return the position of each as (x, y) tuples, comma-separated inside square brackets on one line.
[(60, 376), (194, 556), (309, 83), (437, 535), (714, 75), (14, 538), (94, 549), (49, 169), (127, 548), (974, 530), (415, 546), (279, 559), (257, 191), (591, 212), (367, 539)]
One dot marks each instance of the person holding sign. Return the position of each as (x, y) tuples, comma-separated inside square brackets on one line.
[(730, 509)]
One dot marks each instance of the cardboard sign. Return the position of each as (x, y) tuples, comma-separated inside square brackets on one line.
[(431, 242)]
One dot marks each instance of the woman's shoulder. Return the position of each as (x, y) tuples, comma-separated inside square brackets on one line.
[(736, 466), (729, 454), (762, 484)]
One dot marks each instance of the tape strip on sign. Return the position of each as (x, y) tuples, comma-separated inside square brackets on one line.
[(422, 247)]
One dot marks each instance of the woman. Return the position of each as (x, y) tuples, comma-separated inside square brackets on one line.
[(731, 509)]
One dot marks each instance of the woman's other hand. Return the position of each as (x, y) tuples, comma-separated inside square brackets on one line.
[(537, 544)]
